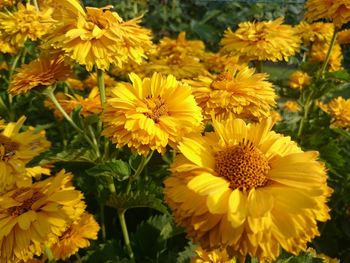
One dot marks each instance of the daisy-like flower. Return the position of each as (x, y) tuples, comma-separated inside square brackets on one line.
[(44, 71), (315, 32), (319, 54), (25, 23), (267, 40), (336, 10), (77, 236), (150, 113), (31, 217), (299, 80), (16, 150), (243, 93), (291, 105), (339, 109), (249, 189), (213, 256), (100, 37)]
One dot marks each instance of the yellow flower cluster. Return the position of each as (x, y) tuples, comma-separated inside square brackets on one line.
[(339, 109), (299, 80)]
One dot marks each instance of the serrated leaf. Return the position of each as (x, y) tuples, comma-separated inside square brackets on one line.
[(74, 155), (117, 169), (138, 199), (188, 253)]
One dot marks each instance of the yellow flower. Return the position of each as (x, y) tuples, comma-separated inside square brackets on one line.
[(339, 109), (291, 106), (249, 189), (75, 84), (25, 23), (6, 47), (16, 150), (267, 40), (100, 37), (213, 256), (31, 217), (315, 32), (343, 37), (216, 62), (7, 3), (91, 81), (150, 113), (319, 53), (44, 71), (299, 80), (336, 10), (242, 92), (75, 237)]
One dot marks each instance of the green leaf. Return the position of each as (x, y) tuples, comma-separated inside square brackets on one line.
[(340, 75), (134, 161), (138, 199), (74, 155), (117, 169), (186, 255)]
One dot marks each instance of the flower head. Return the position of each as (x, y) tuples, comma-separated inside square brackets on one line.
[(299, 80), (16, 150), (339, 109), (25, 23), (76, 236), (44, 71), (319, 54), (31, 217), (243, 93), (291, 106), (267, 40), (150, 113), (315, 32), (249, 189), (212, 256)]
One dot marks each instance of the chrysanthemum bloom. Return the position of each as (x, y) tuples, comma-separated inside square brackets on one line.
[(25, 23), (16, 150), (339, 109), (336, 10), (31, 217), (291, 106), (243, 92), (315, 32), (249, 189), (6, 47), (343, 37), (150, 113), (100, 37), (299, 80), (213, 256), (44, 71), (319, 53), (267, 40), (76, 236)]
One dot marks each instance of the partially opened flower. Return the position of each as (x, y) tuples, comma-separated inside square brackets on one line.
[(339, 109), (78, 235), (44, 71), (25, 23), (244, 93), (266, 40), (31, 217), (150, 113), (291, 105), (212, 256), (315, 32), (16, 150), (299, 80), (247, 189), (319, 53)]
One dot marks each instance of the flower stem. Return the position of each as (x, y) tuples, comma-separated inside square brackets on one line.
[(101, 86), (259, 66), (49, 254), (102, 222), (35, 2), (306, 106), (329, 52), (139, 170), (121, 215)]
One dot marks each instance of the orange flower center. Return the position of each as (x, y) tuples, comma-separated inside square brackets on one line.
[(243, 165), (26, 204), (7, 147), (157, 108)]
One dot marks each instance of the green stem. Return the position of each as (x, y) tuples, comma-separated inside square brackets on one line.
[(49, 92), (94, 141), (103, 225), (121, 215), (101, 86), (329, 52), (259, 66), (49, 254), (306, 105), (35, 2), (139, 170)]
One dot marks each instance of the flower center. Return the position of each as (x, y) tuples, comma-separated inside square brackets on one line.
[(243, 165), (157, 108), (26, 204), (7, 147)]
